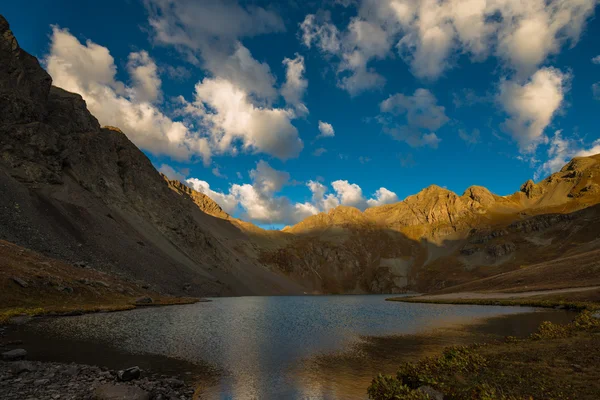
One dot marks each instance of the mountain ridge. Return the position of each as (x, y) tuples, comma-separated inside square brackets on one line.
[(75, 190)]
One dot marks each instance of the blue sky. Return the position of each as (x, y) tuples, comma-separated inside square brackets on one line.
[(408, 93)]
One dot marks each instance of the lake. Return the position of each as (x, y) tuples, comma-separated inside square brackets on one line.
[(296, 347)]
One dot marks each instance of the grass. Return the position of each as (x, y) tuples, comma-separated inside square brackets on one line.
[(7, 314), (556, 362)]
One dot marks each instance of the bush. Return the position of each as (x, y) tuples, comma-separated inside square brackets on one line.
[(390, 388)]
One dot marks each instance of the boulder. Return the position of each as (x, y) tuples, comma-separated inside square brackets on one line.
[(129, 374), (13, 355), (109, 391)]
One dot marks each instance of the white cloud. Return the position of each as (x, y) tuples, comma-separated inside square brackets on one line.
[(596, 60), (295, 84), (260, 201), (596, 90), (144, 75), (229, 116), (531, 106), (321, 33), (90, 71), (423, 116), (208, 33), (469, 138), (383, 196), (319, 152), (321, 200), (431, 34), (326, 130), (562, 150), (216, 171), (349, 194)]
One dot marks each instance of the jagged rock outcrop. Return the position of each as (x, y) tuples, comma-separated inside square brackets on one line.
[(24, 85)]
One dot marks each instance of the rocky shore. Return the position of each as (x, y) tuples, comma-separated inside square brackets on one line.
[(21, 379)]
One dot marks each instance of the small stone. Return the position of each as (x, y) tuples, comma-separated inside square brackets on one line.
[(129, 374), (13, 355), (20, 282), (71, 370), (22, 366), (431, 392), (176, 383), (40, 382), (80, 264), (144, 300)]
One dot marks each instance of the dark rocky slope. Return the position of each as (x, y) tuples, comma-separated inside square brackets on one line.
[(76, 191)]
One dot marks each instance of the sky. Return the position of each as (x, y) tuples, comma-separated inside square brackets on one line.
[(280, 110)]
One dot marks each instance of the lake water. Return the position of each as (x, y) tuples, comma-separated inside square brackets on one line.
[(297, 347)]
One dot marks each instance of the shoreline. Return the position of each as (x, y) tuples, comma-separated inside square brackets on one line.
[(18, 315)]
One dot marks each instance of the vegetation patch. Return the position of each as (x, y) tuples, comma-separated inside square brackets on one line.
[(556, 362)]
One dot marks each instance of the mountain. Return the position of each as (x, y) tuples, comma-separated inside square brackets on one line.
[(436, 238), (78, 192)]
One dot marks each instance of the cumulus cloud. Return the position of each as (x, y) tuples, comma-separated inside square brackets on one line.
[(208, 34), (431, 34), (260, 200), (596, 90), (320, 32), (295, 84), (144, 75), (223, 112), (422, 114), (326, 130), (531, 106), (596, 60), (89, 69), (383, 196), (229, 116), (562, 150)]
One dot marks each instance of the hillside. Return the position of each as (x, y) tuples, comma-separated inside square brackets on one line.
[(78, 192)]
